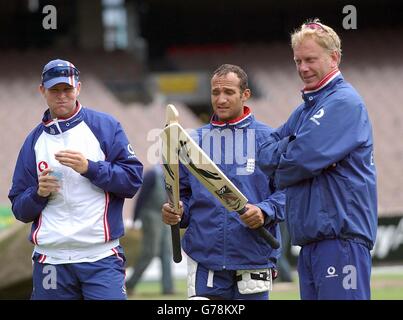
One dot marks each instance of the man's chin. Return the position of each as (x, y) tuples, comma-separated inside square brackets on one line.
[(63, 111), (223, 116), (310, 85)]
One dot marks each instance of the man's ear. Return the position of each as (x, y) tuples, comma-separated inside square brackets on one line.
[(78, 88), (335, 57), (246, 94), (42, 89)]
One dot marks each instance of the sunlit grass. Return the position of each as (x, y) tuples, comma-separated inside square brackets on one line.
[(385, 286)]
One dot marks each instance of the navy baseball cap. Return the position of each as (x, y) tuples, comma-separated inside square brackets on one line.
[(59, 71)]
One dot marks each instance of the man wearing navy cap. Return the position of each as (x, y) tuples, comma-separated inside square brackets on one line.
[(71, 178), (60, 87)]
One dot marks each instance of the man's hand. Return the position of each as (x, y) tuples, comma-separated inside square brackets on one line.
[(169, 216), (47, 183), (253, 217), (73, 159)]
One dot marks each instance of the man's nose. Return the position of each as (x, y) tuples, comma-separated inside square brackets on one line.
[(303, 67), (222, 98)]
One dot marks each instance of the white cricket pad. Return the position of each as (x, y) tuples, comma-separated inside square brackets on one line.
[(191, 278), (254, 281)]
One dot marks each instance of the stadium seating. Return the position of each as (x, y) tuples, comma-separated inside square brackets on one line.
[(371, 63)]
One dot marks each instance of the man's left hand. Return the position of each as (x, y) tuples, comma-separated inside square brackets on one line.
[(73, 159), (253, 217)]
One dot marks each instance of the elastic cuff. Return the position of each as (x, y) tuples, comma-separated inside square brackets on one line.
[(268, 218), (92, 170), (38, 199)]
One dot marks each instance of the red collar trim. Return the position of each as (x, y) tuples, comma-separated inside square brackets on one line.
[(329, 77), (246, 113)]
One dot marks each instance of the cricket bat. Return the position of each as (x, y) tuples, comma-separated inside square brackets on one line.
[(211, 176), (171, 172)]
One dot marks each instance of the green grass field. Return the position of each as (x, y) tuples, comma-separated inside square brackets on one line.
[(386, 284)]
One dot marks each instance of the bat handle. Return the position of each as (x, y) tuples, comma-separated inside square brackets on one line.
[(264, 233), (176, 243)]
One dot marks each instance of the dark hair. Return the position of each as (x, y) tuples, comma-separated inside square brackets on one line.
[(227, 68)]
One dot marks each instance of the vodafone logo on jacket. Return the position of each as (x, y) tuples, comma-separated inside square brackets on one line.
[(42, 166)]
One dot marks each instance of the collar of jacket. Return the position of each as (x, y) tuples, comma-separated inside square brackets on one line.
[(240, 122), (327, 82), (60, 125)]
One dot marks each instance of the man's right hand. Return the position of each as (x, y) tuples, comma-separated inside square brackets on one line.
[(47, 183), (169, 216)]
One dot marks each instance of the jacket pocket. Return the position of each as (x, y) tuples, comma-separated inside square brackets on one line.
[(306, 212), (337, 195)]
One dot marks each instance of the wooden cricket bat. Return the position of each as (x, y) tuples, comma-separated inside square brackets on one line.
[(211, 176), (171, 172)]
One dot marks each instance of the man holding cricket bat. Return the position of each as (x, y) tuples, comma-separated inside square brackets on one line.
[(227, 259)]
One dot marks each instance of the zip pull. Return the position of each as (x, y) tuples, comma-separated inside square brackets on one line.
[(56, 121), (60, 130)]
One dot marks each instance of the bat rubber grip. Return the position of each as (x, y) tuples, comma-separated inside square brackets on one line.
[(268, 237), (264, 233), (176, 243), (242, 211)]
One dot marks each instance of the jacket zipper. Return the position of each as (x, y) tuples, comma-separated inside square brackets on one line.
[(65, 188)]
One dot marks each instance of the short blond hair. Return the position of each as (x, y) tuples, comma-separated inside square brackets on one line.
[(323, 35)]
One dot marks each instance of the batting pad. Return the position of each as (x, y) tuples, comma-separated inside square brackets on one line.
[(254, 281)]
